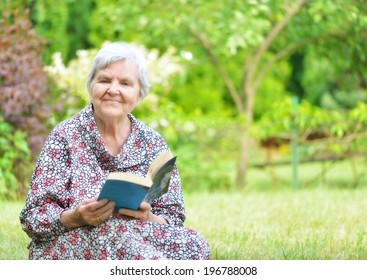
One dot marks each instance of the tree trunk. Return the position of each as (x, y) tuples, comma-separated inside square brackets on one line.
[(245, 142), (242, 161)]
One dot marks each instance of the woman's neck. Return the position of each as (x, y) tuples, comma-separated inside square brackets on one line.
[(114, 133)]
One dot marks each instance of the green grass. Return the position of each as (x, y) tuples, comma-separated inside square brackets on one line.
[(13, 241), (312, 224), (317, 224)]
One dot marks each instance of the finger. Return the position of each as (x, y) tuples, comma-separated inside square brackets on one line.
[(127, 212), (92, 205), (102, 202), (106, 210), (120, 216), (139, 215), (103, 213), (96, 212), (88, 201), (110, 205), (144, 206), (102, 206)]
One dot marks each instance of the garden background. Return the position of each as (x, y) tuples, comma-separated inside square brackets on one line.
[(263, 101)]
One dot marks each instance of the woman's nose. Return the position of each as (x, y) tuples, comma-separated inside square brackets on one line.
[(114, 89)]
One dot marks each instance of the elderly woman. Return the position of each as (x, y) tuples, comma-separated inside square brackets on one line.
[(62, 215)]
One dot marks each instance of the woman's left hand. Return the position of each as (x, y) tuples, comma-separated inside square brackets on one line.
[(144, 213)]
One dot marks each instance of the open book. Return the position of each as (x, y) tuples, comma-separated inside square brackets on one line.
[(129, 190)]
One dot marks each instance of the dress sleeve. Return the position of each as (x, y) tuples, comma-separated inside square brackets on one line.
[(48, 194)]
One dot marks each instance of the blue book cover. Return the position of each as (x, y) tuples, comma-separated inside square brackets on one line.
[(128, 190), (125, 194)]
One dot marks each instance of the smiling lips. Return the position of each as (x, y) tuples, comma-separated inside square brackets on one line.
[(111, 100)]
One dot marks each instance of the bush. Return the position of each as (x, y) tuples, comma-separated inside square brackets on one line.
[(23, 82), (14, 160)]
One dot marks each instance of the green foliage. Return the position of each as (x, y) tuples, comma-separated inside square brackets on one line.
[(358, 115), (335, 66), (320, 133), (69, 83), (199, 90), (328, 37), (78, 26), (309, 118), (329, 33), (51, 23), (272, 89), (63, 24), (224, 21), (205, 144), (14, 4), (340, 88), (236, 29), (15, 156)]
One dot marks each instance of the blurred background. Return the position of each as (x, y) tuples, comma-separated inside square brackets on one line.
[(256, 94)]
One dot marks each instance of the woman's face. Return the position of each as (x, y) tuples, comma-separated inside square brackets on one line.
[(115, 90)]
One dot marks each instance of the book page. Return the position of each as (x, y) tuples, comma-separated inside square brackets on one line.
[(158, 163), (161, 181), (123, 176)]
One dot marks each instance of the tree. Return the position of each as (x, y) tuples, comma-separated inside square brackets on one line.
[(258, 33)]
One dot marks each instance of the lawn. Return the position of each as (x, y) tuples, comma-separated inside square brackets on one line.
[(318, 224), (293, 225)]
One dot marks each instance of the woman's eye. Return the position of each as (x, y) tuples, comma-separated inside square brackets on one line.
[(125, 83)]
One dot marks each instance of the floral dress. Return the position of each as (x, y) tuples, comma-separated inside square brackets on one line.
[(73, 166)]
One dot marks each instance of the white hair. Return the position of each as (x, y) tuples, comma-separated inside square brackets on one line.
[(120, 51)]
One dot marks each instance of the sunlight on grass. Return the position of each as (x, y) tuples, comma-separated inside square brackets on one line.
[(308, 224)]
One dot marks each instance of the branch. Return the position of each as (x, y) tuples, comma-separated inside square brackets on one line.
[(222, 72), (291, 48), (214, 60), (252, 65)]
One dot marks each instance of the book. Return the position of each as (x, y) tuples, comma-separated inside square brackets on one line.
[(129, 190)]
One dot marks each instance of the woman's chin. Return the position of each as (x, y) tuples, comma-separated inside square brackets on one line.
[(111, 112)]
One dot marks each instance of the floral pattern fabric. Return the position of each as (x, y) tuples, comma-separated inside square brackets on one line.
[(73, 165)]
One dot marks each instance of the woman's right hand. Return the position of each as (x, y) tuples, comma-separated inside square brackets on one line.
[(89, 212)]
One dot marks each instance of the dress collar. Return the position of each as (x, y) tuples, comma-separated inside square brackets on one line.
[(123, 160)]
